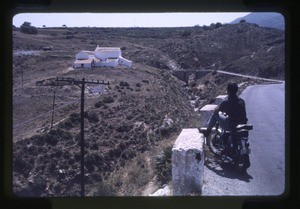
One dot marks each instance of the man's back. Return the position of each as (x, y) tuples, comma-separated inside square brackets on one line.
[(235, 108)]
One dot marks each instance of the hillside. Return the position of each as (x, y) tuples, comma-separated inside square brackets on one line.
[(138, 115), (264, 19)]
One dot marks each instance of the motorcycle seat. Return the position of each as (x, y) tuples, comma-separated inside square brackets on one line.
[(242, 127)]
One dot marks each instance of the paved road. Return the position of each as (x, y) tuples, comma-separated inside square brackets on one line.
[(266, 176)]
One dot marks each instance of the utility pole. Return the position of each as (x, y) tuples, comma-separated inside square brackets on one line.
[(53, 103), (82, 82), (82, 137)]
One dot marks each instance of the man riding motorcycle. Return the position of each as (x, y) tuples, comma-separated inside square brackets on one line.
[(233, 112)]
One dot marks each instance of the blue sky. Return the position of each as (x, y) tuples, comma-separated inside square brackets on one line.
[(124, 19)]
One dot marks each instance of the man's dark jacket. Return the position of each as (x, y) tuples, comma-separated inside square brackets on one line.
[(235, 108)]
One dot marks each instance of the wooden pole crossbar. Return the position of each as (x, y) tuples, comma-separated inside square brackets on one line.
[(82, 82), (76, 81)]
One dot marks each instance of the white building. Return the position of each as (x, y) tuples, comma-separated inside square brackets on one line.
[(103, 53), (102, 56)]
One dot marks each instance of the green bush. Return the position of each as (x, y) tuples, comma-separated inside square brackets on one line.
[(27, 28), (71, 122), (124, 83), (99, 104), (54, 136), (75, 118), (186, 33), (22, 165), (163, 165), (108, 99), (93, 117)]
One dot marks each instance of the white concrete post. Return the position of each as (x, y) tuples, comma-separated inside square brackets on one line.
[(220, 99), (205, 114), (188, 163)]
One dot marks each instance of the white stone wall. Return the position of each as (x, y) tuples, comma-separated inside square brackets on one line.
[(206, 113), (126, 62), (104, 53), (188, 163), (82, 55), (107, 63), (166, 191), (220, 99)]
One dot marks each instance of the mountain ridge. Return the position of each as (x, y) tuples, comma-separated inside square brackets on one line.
[(264, 19)]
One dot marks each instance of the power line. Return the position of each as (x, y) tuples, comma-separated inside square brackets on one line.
[(39, 116), (71, 81)]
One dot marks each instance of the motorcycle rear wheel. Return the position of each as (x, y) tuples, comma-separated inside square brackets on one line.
[(215, 146)]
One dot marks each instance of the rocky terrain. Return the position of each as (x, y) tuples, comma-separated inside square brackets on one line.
[(137, 117)]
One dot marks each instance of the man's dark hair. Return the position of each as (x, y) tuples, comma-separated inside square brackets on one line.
[(232, 88)]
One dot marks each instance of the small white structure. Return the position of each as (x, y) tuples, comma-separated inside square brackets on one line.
[(220, 99), (103, 53), (206, 113), (188, 163), (82, 55), (165, 191), (102, 56)]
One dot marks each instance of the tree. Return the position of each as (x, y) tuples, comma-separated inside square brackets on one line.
[(27, 28), (218, 25)]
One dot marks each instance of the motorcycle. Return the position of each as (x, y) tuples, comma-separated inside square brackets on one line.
[(231, 145)]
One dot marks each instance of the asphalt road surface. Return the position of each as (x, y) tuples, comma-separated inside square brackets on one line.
[(265, 106)]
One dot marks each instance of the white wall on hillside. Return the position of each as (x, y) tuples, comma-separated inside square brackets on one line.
[(126, 62), (82, 55), (107, 52)]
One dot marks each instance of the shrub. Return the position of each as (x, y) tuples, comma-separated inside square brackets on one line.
[(51, 139), (39, 185), (21, 165), (72, 121), (54, 136), (205, 27), (108, 99), (99, 104), (163, 165), (27, 28), (218, 25), (124, 128), (193, 84), (124, 84), (93, 117), (186, 33), (74, 118)]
